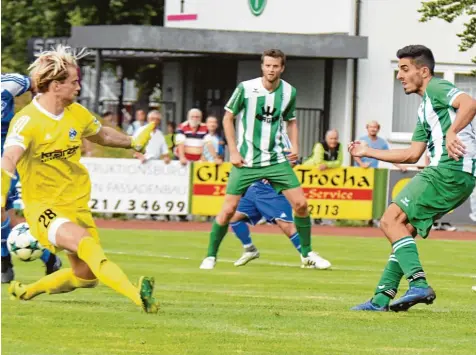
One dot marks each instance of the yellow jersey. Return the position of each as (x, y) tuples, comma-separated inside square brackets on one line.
[(49, 169)]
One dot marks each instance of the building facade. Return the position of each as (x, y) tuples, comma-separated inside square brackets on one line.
[(389, 25)]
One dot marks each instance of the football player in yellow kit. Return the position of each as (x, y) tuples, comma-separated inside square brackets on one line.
[(44, 145)]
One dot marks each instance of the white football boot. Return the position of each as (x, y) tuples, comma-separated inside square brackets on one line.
[(208, 263), (247, 257), (314, 261)]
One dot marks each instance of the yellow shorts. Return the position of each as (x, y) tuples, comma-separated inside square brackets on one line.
[(44, 222)]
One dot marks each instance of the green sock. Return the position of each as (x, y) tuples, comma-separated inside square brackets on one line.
[(303, 226), (216, 236), (406, 252), (388, 284)]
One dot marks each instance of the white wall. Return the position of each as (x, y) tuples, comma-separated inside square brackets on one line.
[(291, 16), (172, 79), (341, 102), (391, 25)]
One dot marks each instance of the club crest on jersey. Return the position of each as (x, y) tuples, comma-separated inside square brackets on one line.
[(267, 115), (72, 134)]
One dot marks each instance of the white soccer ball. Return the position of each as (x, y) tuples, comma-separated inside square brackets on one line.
[(22, 244)]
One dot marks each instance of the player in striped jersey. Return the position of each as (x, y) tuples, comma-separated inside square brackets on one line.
[(445, 127), (262, 106), (261, 201), (14, 85)]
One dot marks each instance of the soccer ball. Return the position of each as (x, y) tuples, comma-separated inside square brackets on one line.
[(22, 244)]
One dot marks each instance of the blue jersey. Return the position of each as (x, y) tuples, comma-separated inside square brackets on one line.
[(12, 85)]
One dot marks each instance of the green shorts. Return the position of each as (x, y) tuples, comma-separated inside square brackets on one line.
[(431, 194), (281, 176)]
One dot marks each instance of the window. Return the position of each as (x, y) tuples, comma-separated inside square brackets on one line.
[(405, 107), (466, 83)]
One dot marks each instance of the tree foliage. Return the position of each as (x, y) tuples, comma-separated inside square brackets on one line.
[(24, 19), (449, 10)]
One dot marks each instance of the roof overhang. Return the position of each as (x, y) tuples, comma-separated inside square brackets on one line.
[(199, 41)]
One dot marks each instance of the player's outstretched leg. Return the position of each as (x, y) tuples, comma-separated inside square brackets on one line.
[(58, 282), (394, 225), (386, 288), (313, 259), (7, 267), (242, 232), (112, 276), (88, 259), (219, 230)]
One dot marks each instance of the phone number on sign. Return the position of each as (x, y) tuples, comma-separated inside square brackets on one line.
[(137, 206), (323, 210)]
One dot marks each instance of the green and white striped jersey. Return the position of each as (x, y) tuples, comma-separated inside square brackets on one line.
[(260, 115), (435, 116)]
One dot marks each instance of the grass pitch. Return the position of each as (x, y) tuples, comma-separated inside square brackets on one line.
[(270, 306)]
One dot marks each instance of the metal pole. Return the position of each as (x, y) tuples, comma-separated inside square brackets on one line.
[(120, 106), (98, 67)]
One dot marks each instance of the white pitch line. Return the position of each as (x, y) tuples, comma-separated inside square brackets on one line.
[(274, 263)]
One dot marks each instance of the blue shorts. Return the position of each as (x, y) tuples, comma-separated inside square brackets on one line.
[(263, 202), (13, 192)]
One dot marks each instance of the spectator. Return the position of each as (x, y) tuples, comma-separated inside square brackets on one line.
[(327, 154), (126, 120), (213, 150), (375, 142), (170, 138), (190, 137), (157, 147), (138, 123)]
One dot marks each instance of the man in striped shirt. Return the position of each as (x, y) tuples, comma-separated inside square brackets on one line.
[(263, 107), (444, 126), (190, 137)]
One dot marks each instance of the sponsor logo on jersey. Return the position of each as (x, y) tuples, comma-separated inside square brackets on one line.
[(405, 201), (59, 154), (267, 115), (72, 134)]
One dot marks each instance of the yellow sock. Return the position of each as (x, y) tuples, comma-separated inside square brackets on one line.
[(60, 281), (105, 270)]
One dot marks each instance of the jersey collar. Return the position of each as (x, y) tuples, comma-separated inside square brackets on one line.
[(47, 113)]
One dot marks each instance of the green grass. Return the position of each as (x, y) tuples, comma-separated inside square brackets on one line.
[(270, 306)]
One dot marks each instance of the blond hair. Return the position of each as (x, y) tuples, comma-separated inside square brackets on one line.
[(53, 65)]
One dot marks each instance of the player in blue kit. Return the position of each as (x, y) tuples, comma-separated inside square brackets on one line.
[(14, 85), (261, 202)]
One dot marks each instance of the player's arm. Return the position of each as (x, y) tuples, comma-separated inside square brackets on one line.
[(19, 138), (409, 155), (465, 114), (289, 115), (110, 137), (10, 159), (293, 134), (229, 129), (234, 106)]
